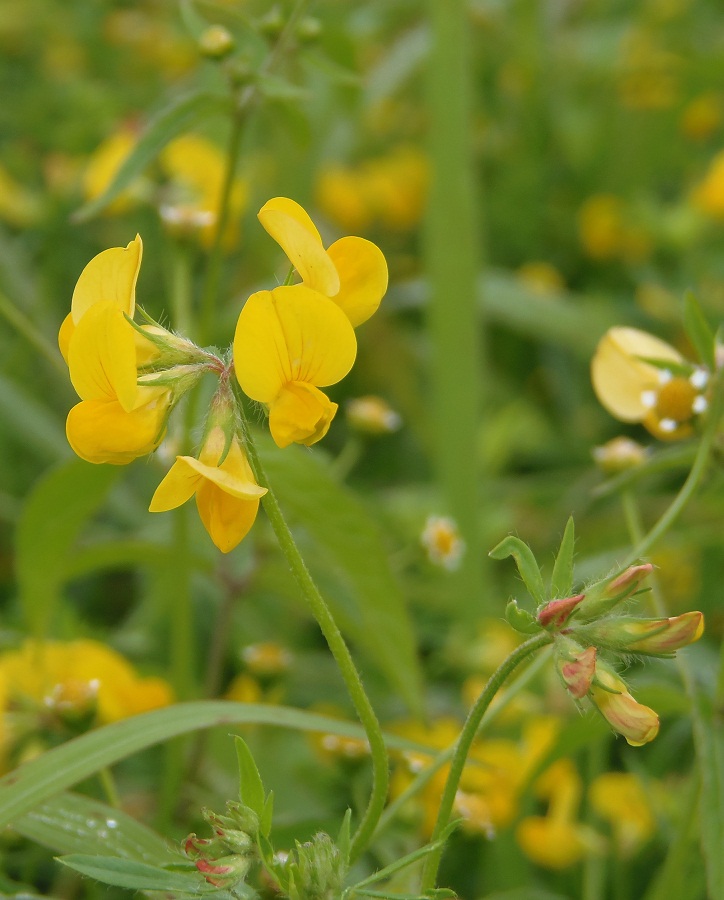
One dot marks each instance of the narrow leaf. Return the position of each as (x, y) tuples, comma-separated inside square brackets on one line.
[(343, 838), (178, 117), (267, 813), (251, 789), (136, 876), (562, 577), (698, 329), (526, 563)]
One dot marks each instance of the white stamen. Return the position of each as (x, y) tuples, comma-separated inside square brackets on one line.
[(668, 425), (700, 404), (648, 399), (699, 378), (664, 376)]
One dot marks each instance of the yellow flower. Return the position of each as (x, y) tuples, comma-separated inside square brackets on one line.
[(288, 343), (637, 723), (708, 195), (620, 798), (117, 419), (702, 116), (372, 415), (227, 497), (352, 271), (102, 167), (606, 232), (78, 676), (19, 206), (541, 278), (557, 840), (663, 400), (619, 454)]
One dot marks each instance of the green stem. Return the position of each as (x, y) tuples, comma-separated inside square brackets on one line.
[(22, 324), (693, 479), (181, 613), (181, 288), (465, 742), (340, 651)]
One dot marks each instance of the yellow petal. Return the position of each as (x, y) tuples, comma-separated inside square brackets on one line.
[(102, 432), (64, 335), (111, 275), (102, 356), (300, 414), (227, 518), (294, 231), (234, 483), (178, 486), (620, 377), (362, 270), (291, 334)]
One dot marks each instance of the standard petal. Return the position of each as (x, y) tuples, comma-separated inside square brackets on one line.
[(620, 377), (261, 360), (226, 518), (102, 356), (178, 486), (363, 277), (301, 414), (102, 432), (64, 335), (294, 231), (112, 276)]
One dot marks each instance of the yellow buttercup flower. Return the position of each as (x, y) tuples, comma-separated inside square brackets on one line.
[(117, 419), (227, 497), (289, 342), (352, 271), (664, 400)]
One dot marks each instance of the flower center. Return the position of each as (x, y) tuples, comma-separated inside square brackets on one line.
[(675, 399)]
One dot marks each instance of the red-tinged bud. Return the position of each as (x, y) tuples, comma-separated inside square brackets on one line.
[(666, 635), (223, 872), (556, 612), (577, 673), (194, 846), (601, 598), (626, 583), (637, 723)]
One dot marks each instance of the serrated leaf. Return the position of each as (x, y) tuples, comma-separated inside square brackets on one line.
[(251, 788), (178, 117), (526, 563), (136, 876), (41, 778), (72, 823), (367, 601), (55, 511), (698, 330), (562, 577)]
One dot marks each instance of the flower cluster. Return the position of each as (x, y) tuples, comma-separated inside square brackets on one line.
[(289, 342)]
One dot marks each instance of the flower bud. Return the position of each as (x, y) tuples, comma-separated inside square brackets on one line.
[(577, 672), (637, 723), (216, 42), (557, 612), (224, 872), (601, 598), (619, 454), (371, 415), (657, 637)]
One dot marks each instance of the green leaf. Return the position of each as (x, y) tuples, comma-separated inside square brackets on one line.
[(562, 577), (39, 779), (343, 838), (56, 510), (178, 117), (136, 876), (526, 563), (72, 823), (251, 789), (367, 601), (698, 330), (194, 23), (267, 814)]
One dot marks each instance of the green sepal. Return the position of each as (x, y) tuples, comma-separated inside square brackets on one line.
[(562, 577), (265, 819), (520, 619), (251, 789), (698, 329), (526, 563), (680, 370), (343, 838)]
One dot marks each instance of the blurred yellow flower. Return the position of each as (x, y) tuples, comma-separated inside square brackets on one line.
[(708, 195), (557, 840), (289, 342), (78, 676), (664, 400), (389, 191), (244, 689), (620, 798), (619, 454), (702, 116), (102, 167), (19, 206), (352, 271), (372, 415), (541, 278), (227, 497), (606, 231), (649, 74), (267, 658)]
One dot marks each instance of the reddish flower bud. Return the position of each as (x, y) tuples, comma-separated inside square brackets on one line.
[(637, 723), (665, 635), (577, 673), (626, 583), (556, 612)]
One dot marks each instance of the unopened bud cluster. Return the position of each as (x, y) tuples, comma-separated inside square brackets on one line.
[(225, 858)]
